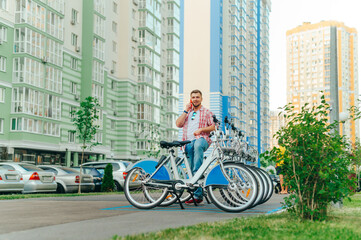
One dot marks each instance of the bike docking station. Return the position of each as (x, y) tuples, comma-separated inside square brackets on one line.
[(227, 177)]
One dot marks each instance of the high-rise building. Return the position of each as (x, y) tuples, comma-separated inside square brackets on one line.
[(55, 53), (277, 119), (323, 57), (225, 54)]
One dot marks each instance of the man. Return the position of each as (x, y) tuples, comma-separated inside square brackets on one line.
[(197, 124)]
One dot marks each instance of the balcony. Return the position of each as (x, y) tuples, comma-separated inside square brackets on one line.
[(145, 79)]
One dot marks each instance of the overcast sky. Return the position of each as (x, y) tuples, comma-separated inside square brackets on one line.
[(288, 14)]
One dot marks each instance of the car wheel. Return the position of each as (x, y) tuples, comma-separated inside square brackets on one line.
[(117, 186), (60, 188)]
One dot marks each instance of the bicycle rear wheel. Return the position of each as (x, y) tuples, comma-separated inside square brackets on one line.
[(239, 194), (141, 195)]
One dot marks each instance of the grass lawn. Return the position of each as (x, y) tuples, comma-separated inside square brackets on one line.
[(41, 195), (342, 224)]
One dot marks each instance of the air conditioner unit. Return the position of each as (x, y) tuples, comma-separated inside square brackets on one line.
[(72, 22), (77, 49), (115, 113), (77, 97), (134, 39), (135, 59), (1, 41), (135, 2), (44, 60), (112, 71)]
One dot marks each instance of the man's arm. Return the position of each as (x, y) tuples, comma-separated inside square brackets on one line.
[(182, 118), (205, 130)]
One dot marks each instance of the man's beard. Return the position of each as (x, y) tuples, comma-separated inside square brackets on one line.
[(195, 105)]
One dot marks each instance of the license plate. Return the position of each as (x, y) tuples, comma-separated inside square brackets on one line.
[(10, 177), (86, 179), (47, 179)]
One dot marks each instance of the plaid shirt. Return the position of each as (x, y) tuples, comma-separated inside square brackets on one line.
[(205, 120)]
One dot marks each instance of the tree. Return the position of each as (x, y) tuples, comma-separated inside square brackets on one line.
[(316, 161), (355, 155), (85, 122), (108, 181)]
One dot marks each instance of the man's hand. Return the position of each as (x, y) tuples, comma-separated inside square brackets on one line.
[(188, 107), (198, 132)]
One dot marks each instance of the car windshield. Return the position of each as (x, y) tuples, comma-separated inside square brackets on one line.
[(69, 170), (126, 164), (30, 168)]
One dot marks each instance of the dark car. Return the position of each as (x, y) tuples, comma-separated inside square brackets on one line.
[(97, 176)]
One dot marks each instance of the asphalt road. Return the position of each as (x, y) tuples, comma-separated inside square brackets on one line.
[(101, 217)]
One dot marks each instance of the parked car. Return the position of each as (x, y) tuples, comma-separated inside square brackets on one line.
[(11, 181), (35, 179), (97, 176), (119, 168), (68, 179)]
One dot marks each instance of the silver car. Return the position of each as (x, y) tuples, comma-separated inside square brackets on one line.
[(35, 179), (10, 181), (119, 168), (68, 179)]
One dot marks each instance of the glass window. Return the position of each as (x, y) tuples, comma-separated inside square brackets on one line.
[(73, 87), (74, 39), (1, 125), (74, 63), (30, 168), (114, 26), (71, 136), (74, 16), (3, 33), (69, 170), (115, 7), (3, 4), (2, 94), (2, 64), (8, 167)]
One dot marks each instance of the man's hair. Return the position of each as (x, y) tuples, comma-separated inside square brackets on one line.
[(196, 91)]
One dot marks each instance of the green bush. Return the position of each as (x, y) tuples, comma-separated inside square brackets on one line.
[(316, 161), (108, 182)]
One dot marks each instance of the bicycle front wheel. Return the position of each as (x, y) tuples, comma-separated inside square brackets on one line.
[(142, 195), (240, 194)]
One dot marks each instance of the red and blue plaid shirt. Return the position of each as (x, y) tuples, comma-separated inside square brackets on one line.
[(205, 120)]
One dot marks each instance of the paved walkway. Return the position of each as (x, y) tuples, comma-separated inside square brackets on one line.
[(101, 217)]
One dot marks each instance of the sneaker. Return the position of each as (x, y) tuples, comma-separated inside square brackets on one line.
[(198, 201)]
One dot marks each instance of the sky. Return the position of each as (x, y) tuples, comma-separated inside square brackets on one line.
[(288, 14)]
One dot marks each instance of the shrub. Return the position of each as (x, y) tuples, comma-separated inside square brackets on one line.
[(108, 182), (316, 161)]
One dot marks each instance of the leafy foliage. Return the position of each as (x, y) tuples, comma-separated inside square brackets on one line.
[(315, 162), (108, 181), (85, 122)]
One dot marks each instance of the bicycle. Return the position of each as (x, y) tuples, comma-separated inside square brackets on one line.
[(230, 186)]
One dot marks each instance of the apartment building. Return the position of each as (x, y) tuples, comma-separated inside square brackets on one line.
[(278, 120), (323, 57), (229, 62), (55, 53)]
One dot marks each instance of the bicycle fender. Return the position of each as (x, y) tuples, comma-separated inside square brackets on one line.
[(216, 177), (149, 167)]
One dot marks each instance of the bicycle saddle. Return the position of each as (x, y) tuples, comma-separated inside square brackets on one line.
[(164, 144)]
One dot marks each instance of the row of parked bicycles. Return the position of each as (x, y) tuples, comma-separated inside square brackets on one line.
[(227, 176)]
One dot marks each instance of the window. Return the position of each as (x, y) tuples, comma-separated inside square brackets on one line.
[(73, 87), (113, 104), (74, 39), (114, 27), (74, 16), (1, 125), (3, 4), (114, 84), (114, 65), (2, 94), (2, 64), (112, 144), (114, 47), (16, 124), (3, 34), (115, 7), (74, 63), (71, 136), (72, 112), (112, 124)]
